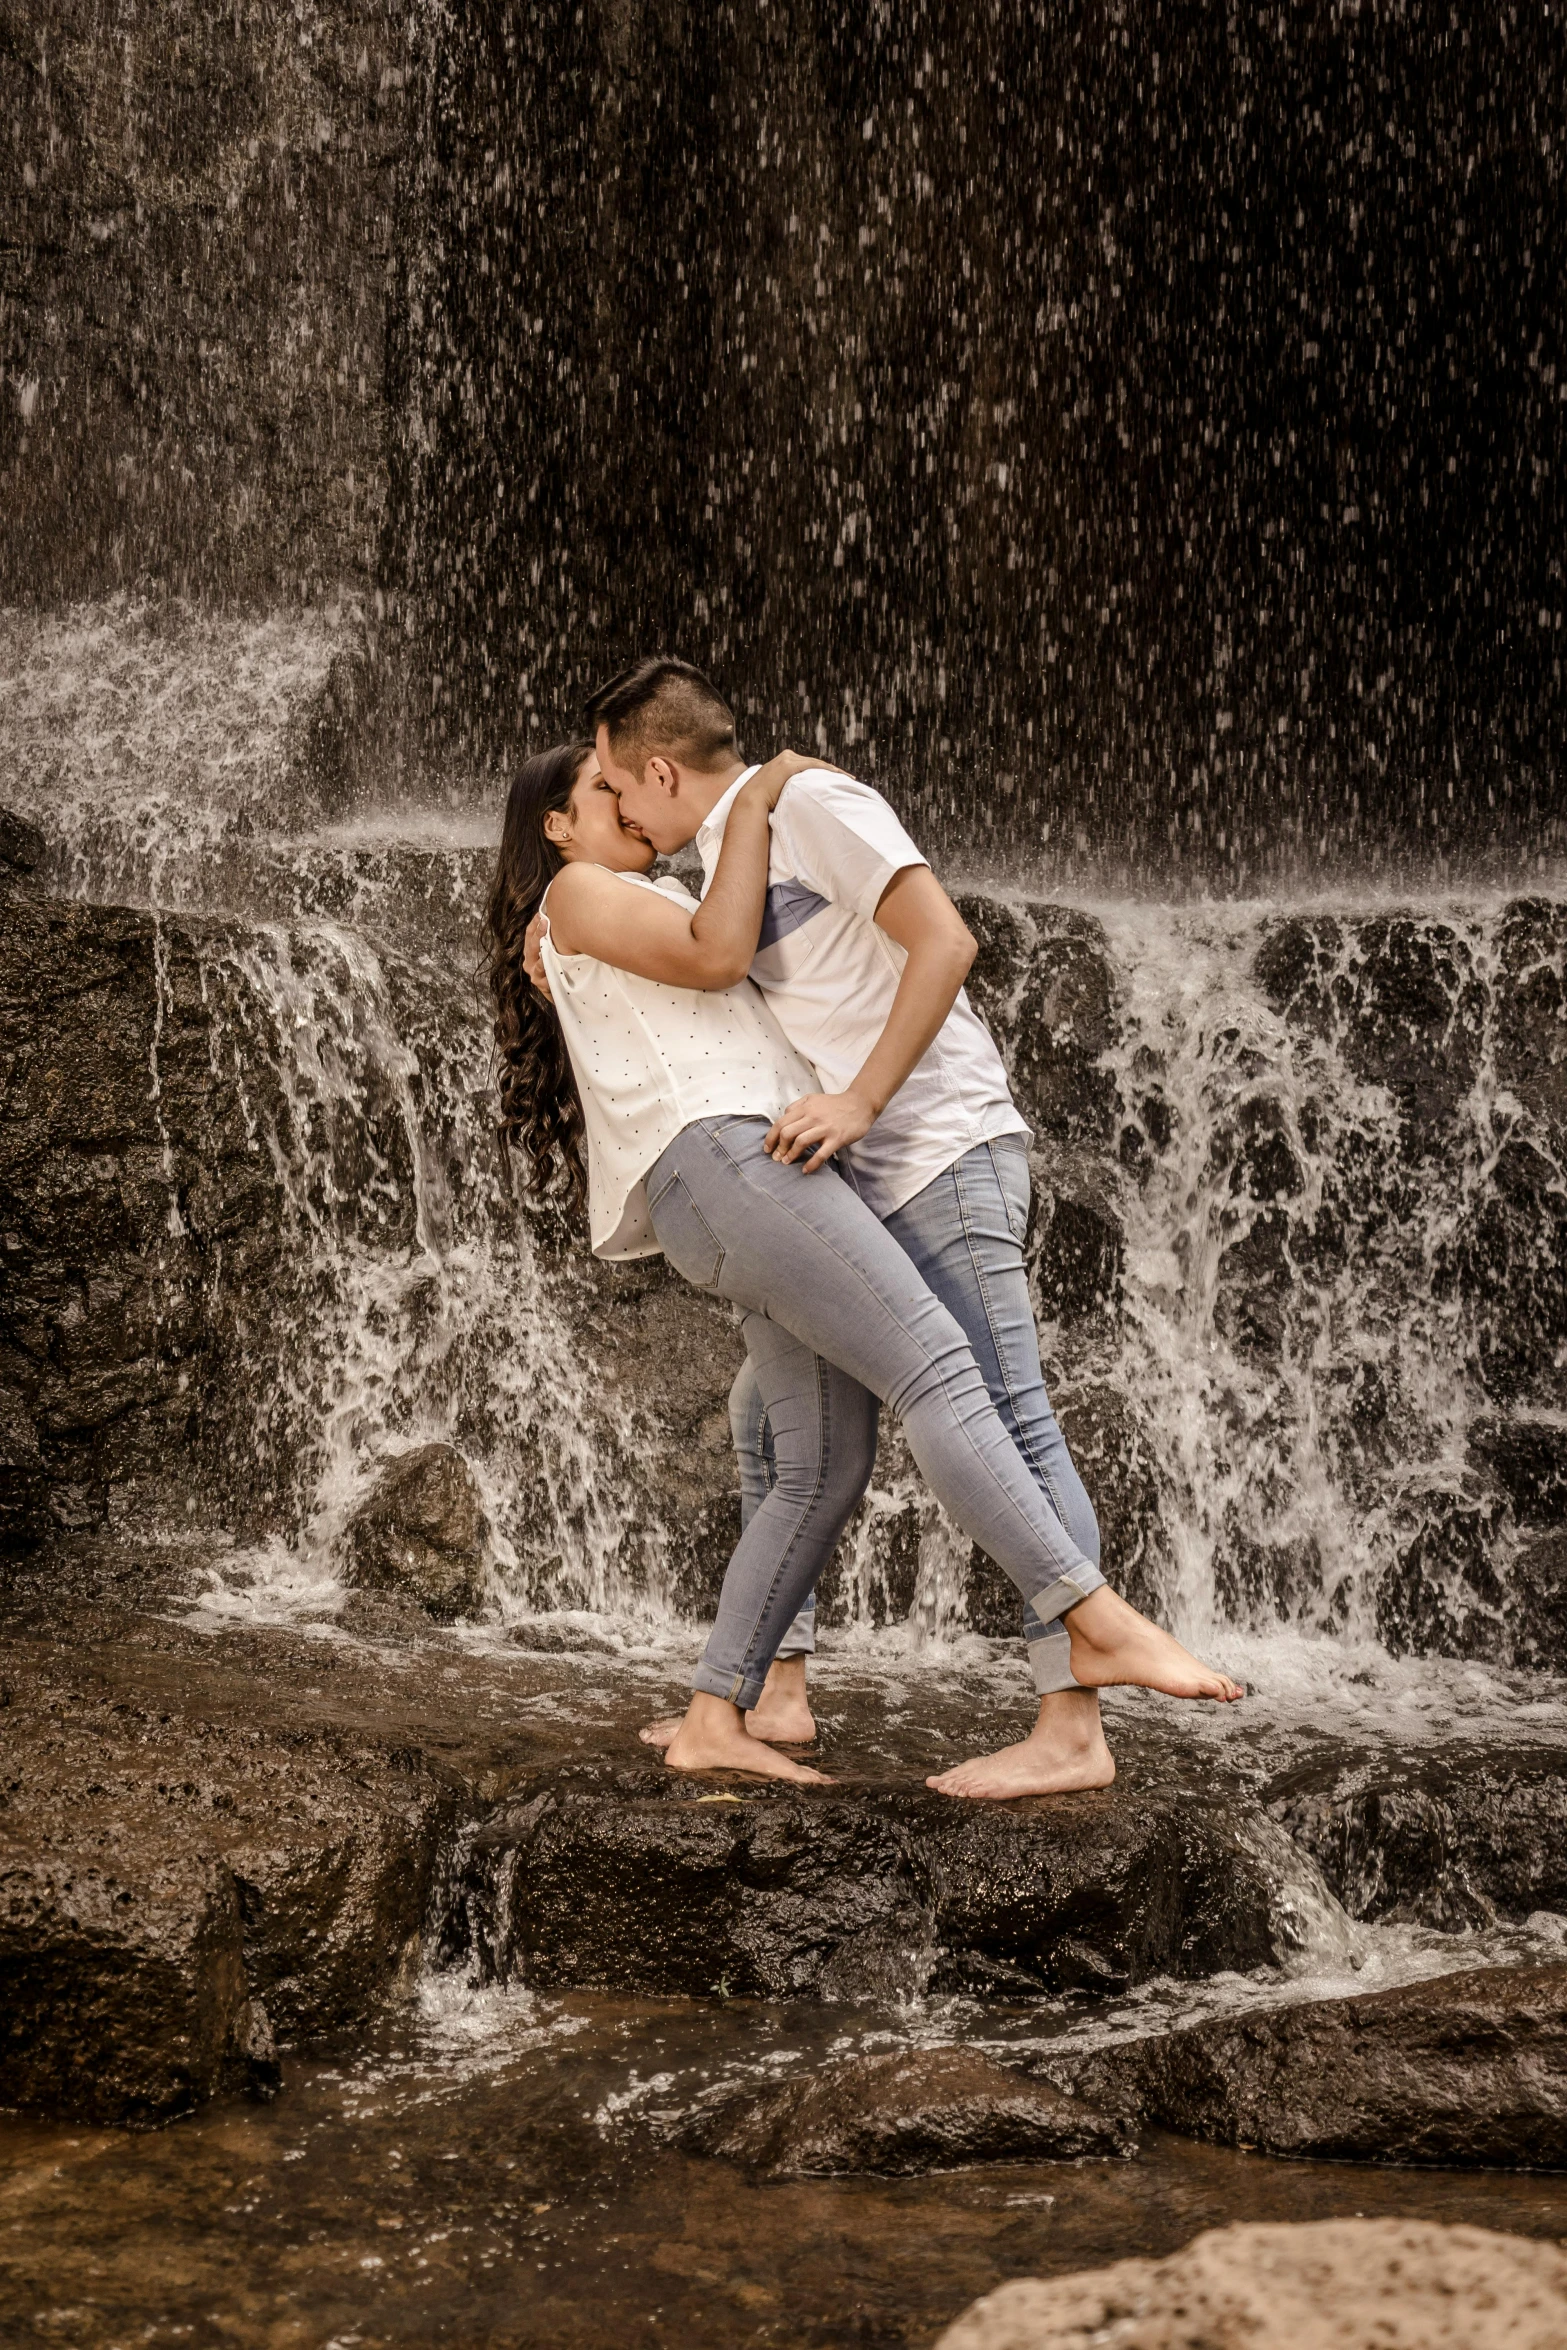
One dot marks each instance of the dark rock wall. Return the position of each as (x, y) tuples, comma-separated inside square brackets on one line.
[(143, 1236), (1095, 422), (198, 243)]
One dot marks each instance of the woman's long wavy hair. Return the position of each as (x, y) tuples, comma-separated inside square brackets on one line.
[(541, 1111)]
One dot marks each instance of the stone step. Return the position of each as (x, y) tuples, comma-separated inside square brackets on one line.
[(629, 1880)]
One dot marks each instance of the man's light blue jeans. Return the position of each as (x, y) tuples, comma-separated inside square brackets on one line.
[(836, 1318), (963, 1234)]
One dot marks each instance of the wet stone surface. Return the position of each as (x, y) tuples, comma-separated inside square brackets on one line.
[(496, 2176), (929, 2109), (629, 1880), (1449, 1841), (1468, 2069)]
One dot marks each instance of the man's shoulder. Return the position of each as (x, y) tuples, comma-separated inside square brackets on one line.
[(847, 797)]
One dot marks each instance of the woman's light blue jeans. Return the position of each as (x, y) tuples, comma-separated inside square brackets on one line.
[(964, 1235), (836, 1317)]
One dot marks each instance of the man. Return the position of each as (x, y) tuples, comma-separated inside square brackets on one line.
[(862, 958)]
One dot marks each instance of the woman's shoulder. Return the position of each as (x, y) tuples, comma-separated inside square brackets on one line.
[(663, 885)]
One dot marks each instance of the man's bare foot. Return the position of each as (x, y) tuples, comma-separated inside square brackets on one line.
[(782, 1714), (1112, 1645), (713, 1737), (661, 1732), (1064, 1750)]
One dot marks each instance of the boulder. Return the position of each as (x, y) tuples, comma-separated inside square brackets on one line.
[(1402, 997), (631, 1881), (1334, 2284), (186, 1867), (423, 1533), (1462, 2069), (1457, 1841), (21, 848), (1537, 1602), (922, 2110), (1527, 1455), (123, 1991), (1043, 982)]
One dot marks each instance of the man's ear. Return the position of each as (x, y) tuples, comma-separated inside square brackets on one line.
[(664, 774)]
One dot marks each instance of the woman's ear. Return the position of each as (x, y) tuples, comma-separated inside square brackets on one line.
[(557, 826)]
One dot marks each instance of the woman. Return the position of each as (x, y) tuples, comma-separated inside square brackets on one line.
[(658, 1054)]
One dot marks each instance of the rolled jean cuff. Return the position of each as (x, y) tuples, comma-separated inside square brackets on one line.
[(1050, 1660), (1046, 1608), (1049, 1643), (741, 1689), (800, 1639)]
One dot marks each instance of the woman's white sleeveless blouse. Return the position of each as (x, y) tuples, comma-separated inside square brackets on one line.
[(649, 1060)]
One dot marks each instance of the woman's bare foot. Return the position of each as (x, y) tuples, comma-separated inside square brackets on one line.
[(1112, 1645), (782, 1714), (713, 1737), (1064, 1750)]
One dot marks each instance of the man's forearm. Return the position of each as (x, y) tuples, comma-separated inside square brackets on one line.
[(927, 991)]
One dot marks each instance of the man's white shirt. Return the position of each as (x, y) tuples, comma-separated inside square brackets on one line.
[(830, 974)]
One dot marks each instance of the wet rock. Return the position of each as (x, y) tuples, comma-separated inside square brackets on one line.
[(932, 2109), (1454, 1842), (1402, 997), (123, 1992), (1527, 1456), (1337, 2284), (630, 1882), (1531, 1016), (1042, 981), (1065, 1024), (423, 1533), (24, 1481), (1537, 1598), (187, 1871), (667, 1357), (184, 229), (1078, 1249), (21, 848), (1444, 1595), (141, 1230), (1115, 1460), (1261, 1580), (1511, 1262), (1464, 2069), (1256, 1283)]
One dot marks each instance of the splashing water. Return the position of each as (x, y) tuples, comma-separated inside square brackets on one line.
[(1306, 1331)]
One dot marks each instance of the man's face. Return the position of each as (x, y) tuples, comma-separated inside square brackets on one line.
[(650, 803)]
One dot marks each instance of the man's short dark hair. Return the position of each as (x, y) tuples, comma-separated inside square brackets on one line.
[(664, 707)]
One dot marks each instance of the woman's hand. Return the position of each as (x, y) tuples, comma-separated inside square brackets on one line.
[(532, 960), (768, 782), (819, 1122)]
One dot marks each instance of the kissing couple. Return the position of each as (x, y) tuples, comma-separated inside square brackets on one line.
[(785, 1091)]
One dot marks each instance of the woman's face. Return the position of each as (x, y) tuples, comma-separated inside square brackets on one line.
[(590, 828)]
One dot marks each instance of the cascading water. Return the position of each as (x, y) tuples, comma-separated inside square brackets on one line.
[(1310, 1320), (1324, 1328)]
